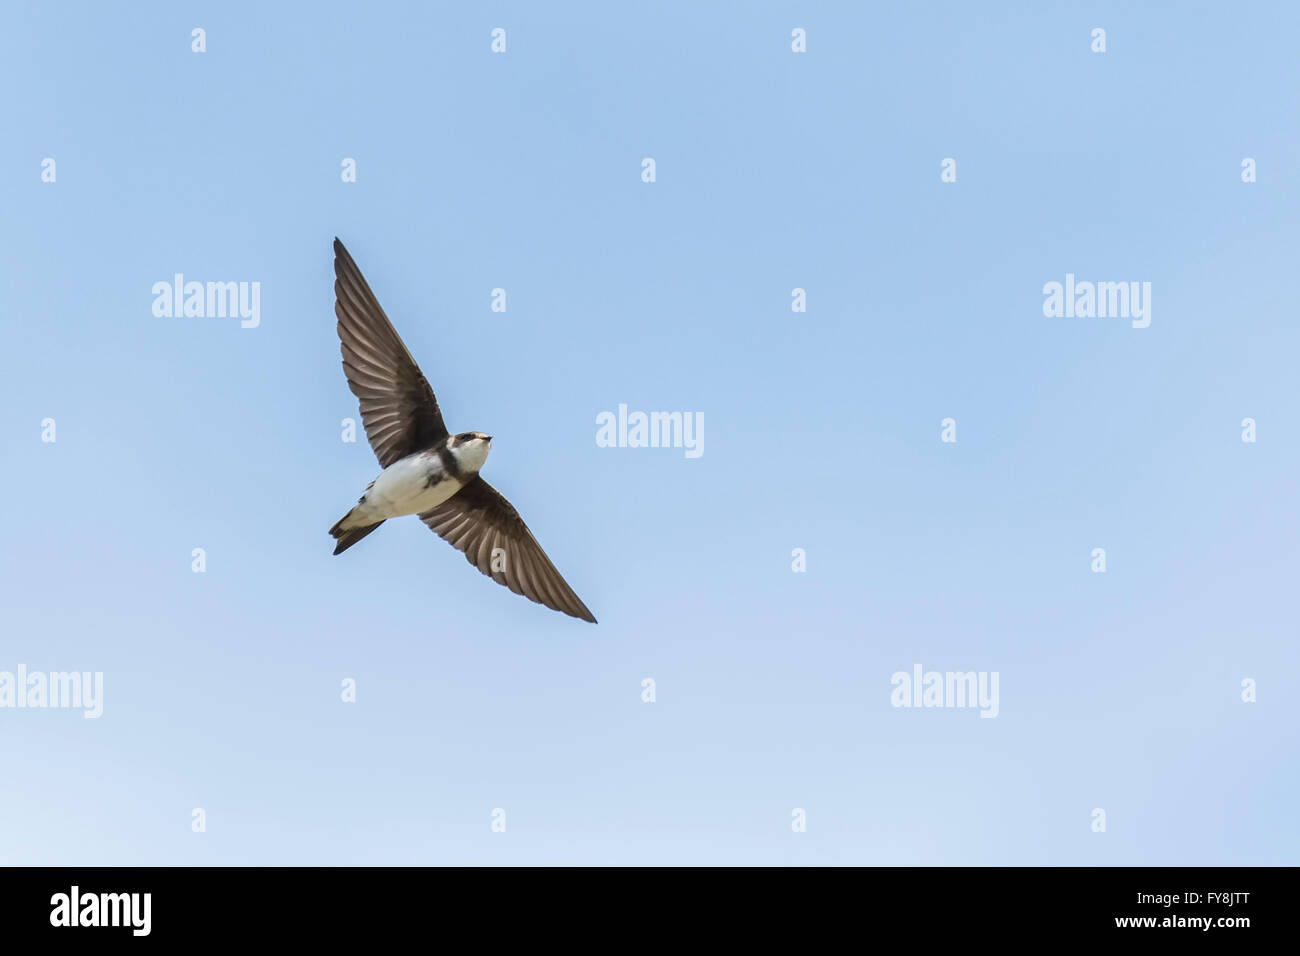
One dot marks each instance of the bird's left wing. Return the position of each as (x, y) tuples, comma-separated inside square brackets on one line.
[(480, 522)]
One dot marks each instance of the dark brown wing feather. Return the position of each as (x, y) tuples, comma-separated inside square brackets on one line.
[(478, 520), (398, 408)]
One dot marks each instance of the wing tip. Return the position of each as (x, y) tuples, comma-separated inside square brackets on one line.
[(343, 262), (582, 614)]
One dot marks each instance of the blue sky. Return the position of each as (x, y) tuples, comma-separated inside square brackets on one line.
[(774, 170)]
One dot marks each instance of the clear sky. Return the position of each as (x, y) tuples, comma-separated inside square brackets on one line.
[(773, 171)]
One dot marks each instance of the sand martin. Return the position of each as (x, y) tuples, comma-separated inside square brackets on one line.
[(427, 471)]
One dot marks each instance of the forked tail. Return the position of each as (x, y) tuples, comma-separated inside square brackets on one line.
[(347, 537)]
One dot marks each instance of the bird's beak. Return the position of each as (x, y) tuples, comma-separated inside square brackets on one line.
[(489, 438)]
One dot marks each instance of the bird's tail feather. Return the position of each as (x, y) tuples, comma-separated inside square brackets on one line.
[(348, 537)]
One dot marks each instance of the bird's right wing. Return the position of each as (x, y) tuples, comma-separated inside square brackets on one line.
[(398, 407)]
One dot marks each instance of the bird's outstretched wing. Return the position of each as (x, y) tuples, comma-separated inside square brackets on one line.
[(398, 408), (480, 522)]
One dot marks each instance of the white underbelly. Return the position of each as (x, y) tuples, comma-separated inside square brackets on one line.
[(408, 487)]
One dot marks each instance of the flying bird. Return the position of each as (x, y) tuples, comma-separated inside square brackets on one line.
[(426, 470)]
